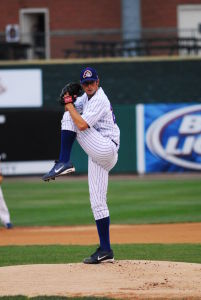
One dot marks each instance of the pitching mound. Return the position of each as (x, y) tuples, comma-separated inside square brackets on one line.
[(123, 279)]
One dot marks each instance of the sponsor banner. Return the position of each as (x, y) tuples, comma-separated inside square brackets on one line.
[(172, 138), (20, 88)]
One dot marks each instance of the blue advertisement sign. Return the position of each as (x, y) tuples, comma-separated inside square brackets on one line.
[(172, 138)]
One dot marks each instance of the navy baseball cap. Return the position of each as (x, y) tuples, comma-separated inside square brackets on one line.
[(88, 74)]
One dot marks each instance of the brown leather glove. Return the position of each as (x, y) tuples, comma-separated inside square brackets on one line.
[(73, 89)]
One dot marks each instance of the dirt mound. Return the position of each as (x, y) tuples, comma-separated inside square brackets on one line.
[(122, 279)]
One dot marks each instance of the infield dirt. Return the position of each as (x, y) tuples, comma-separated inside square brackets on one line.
[(87, 235), (123, 279)]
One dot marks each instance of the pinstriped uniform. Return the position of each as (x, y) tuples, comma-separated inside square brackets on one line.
[(101, 143), (4, 213)]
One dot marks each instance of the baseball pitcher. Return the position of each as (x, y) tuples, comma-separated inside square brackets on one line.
[(90, 119)]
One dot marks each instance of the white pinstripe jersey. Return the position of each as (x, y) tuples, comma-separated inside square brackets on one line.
[(98, 113)]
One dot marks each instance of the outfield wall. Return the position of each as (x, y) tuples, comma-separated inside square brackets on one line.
[(125, 81), (33, 137), (30, 131), (154, 138)]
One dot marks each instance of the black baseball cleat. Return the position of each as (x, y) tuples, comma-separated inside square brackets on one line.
[(100, 256), (9, 225), (60, 168)]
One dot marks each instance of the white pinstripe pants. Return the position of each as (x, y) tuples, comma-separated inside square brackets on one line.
[(102, 157), (4, 213)]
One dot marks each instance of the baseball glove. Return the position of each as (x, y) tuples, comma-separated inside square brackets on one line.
[(73, 89)]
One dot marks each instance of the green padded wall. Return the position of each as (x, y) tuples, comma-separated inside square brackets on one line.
[(132, 81), (126, 83)]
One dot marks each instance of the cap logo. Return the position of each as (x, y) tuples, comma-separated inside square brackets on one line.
[(87, 73)]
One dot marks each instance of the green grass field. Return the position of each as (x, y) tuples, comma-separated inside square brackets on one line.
[(131, 201), (57, 254)]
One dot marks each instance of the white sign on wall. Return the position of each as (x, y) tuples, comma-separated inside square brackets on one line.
[(20, 88)]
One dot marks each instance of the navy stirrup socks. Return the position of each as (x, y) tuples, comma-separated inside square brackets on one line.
[(103, 232), (67, 139)]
